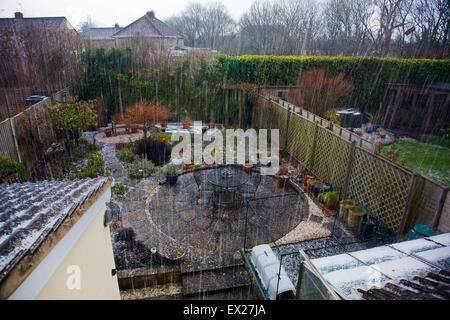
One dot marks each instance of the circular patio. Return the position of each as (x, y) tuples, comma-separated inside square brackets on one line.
[(183, 215)]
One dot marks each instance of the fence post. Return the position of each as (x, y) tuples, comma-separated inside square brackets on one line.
[(311, 156), (348, 171), (226, 108), (16, 145), (288, 118), (409, 198), (439, 209)]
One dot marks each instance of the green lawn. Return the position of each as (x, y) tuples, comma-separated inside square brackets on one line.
[(428, 160)]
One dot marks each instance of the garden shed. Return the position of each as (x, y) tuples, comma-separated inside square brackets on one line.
[(422, 109)]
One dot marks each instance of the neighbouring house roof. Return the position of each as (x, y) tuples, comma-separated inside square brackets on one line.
[(101, 33), (393, 270), (44, 23), (147, 26), (30, 212)]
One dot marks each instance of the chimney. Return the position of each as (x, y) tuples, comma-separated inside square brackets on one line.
[(151, 14), (18, 15)]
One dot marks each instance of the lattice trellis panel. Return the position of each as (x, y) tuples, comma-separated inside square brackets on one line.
[(330, 157), (268, 115), (380, 186), (300, 138), (279, 121)]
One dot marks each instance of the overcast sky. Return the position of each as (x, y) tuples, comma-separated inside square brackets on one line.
[(106, 12)]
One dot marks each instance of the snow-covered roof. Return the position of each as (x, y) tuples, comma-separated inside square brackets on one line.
[(382, 266), (29, 212)]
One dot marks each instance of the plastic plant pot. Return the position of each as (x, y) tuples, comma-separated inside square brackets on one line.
[(186, 125), (172, 179), (248, 168), (108, 132)]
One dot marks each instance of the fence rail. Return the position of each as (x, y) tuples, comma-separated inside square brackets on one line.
[(395, 194)]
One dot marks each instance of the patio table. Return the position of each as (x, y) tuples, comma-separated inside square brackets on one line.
[(226, 181)]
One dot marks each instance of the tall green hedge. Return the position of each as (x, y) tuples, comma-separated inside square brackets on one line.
[(368, 74)]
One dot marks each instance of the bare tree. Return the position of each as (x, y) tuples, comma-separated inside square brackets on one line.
[(348, 26), (431, 22), (392, 16), (300, 22), (260, 28), (204, 26)]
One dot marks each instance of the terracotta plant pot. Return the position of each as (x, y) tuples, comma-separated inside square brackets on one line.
[(306, 176), (211, 125), (331, 205), (164, 124), (186, 125), (187, 167), (248, 168), (181, 252), (283, 178), (310, 186)]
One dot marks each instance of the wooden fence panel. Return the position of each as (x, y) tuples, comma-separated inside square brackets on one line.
[(7, 142)]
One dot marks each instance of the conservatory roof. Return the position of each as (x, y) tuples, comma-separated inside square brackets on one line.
[(357, 274), (30, 212)]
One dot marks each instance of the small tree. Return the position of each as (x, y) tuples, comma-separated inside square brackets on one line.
[(145, 113), (319, 92), (71, 118)]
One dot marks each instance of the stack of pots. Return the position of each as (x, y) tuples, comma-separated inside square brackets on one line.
[(344, 207), (354, 216)]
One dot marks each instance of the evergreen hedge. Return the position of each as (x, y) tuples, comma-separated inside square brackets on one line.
[(368, 74)]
